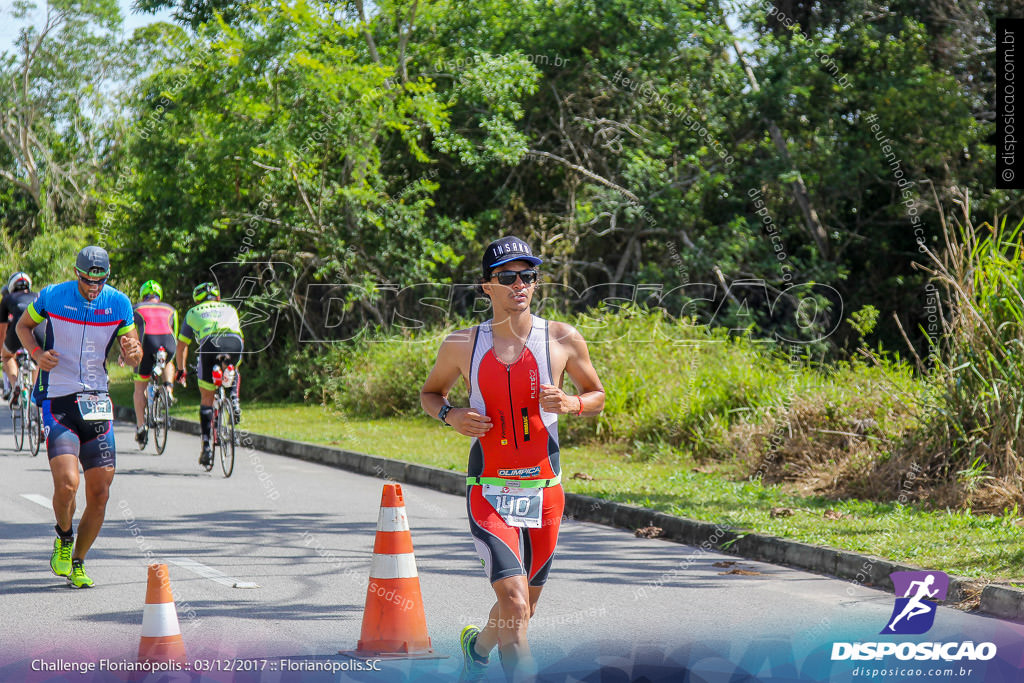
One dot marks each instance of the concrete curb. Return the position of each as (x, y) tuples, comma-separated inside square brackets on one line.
[(999, 601)]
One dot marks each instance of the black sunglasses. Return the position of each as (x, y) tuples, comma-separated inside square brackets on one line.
[(507, 277), (91, 281)]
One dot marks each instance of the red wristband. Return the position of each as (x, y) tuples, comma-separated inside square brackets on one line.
[(32, 353), (580, 399)]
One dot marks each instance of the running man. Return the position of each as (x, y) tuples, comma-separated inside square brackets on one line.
[(513, 365), (914, 606), (12, 306), (157, 323), (84, 316), (215, 328)]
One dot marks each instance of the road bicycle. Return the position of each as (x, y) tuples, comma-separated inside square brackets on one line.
[(223, 424), (25, 416), (158, 405)]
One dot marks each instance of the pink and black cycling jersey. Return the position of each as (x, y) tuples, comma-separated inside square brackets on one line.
[(158, 326), (156, 318)]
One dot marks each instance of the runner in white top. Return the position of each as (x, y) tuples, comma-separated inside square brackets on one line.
[(84, 317)]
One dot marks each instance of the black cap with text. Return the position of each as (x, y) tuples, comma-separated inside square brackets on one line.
[(505, 250)]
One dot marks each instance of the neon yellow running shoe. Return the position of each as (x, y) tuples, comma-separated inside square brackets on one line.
[(78, 579), (60, 560), (473, 665)]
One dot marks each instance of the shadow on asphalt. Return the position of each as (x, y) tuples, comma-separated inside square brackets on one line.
[(156, 473)]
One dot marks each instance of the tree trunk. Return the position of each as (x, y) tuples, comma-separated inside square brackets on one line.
[(814, 227)]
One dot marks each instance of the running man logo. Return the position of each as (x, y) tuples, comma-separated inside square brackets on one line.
[(914, 612)]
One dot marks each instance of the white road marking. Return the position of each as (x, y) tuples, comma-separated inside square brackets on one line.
[(293, 468), (47, 503), (210, 573), (38, 500)]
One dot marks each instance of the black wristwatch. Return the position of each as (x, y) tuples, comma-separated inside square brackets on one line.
[(445, 409)]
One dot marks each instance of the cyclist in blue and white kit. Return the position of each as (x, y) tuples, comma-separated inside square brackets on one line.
[(83, 319)]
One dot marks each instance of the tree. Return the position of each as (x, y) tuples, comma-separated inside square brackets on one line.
[(281, 138), (880, 132), (55, 105)]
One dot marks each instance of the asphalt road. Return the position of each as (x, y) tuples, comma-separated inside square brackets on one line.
[(273, 564)]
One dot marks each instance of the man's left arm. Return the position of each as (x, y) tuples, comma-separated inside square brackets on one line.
[(590, 400), (131, 348)]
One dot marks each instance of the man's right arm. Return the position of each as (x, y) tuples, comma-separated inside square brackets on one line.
[(181, 352), (28, 321), (451, 364), (444, 375), (140, 322), (186, 333)]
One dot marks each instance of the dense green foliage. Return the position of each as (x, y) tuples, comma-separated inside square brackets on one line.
[(625, 138)]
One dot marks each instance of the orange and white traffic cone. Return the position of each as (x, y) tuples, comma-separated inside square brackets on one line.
[(394, 623), (161, 636)]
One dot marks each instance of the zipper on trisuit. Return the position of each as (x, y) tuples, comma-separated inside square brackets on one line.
[(511, 408)]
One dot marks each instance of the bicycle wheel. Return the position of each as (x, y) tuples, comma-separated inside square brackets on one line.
[(226, 437), (35, 429), (19, 428), (161, 420)]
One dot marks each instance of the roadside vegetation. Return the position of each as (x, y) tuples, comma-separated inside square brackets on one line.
[(971, 435)]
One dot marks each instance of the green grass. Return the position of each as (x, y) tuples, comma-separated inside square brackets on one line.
[(959, 543), (983, 546)]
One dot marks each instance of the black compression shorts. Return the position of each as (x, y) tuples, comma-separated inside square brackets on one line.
[(92, 441), (150, 345), (213, 346)]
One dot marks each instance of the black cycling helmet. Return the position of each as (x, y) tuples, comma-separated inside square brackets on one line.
[(204, 291), (19, 281)]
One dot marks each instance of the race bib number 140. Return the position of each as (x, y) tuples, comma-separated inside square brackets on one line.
[(518, 507)]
